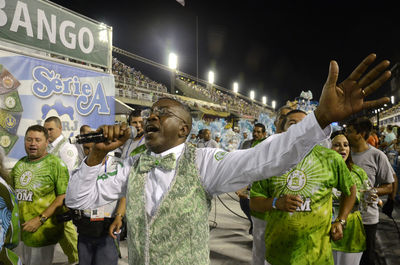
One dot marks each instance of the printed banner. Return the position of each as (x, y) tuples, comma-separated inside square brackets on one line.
[(32, 90), (49, 27)]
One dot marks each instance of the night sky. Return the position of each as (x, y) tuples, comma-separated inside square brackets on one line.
[(278, 48)]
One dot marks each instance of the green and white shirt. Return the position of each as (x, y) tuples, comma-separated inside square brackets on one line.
[(353, 240), (37, 184), (302, 237)]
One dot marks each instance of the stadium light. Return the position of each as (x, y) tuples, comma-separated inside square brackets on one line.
[(273, 104), (264, 100), (235, 87), (392, 99), (252, 95), (211, 77), (172, 60)]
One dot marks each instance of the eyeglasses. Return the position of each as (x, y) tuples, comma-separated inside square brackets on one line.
[(159, 112)]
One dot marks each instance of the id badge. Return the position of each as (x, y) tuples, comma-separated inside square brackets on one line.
[(97, 214)]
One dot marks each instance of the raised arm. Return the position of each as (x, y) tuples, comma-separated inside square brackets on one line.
[(338, 102), (279, 153)]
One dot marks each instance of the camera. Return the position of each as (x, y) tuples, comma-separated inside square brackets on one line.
[(71, 214)]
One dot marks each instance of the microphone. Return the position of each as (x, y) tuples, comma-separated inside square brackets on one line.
[(95, 137)]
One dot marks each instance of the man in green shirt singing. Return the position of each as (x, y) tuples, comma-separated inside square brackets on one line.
[(299, 206), (40, 181)]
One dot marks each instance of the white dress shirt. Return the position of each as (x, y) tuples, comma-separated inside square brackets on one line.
[(68, 152), (220, 171)]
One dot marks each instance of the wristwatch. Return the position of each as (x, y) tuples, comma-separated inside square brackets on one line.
[(42, 218), (341, 221)]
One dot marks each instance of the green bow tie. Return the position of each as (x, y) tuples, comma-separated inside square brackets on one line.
[(147, 162)]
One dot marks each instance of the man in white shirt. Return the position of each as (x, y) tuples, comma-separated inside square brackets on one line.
[(60, 146), (163, 214)]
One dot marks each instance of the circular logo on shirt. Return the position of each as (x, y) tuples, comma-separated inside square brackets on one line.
[(220, 155), (296, 180), (25, 178)]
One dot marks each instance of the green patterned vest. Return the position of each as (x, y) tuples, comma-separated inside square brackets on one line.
[(178, 232)]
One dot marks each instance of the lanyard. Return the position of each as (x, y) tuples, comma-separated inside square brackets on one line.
[(138, 144)]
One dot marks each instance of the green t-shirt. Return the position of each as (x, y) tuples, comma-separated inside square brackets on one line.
[(37, 184), (353, 235), (302, 237)]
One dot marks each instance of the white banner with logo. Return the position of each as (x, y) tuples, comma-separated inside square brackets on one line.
[(32, 90)]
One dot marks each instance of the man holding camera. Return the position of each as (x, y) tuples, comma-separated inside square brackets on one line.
[(40, 182)]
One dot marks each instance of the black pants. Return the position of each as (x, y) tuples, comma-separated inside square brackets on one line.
[(245, 206), (368, 257)]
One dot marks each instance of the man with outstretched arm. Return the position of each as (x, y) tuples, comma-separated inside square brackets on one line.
[(169, 188)]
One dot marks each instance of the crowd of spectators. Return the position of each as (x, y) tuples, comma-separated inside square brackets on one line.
[(126, 76), (233, 102), (389, 116), (131, 83)]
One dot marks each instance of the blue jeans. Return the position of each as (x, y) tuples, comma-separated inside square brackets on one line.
[(97, 250)]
